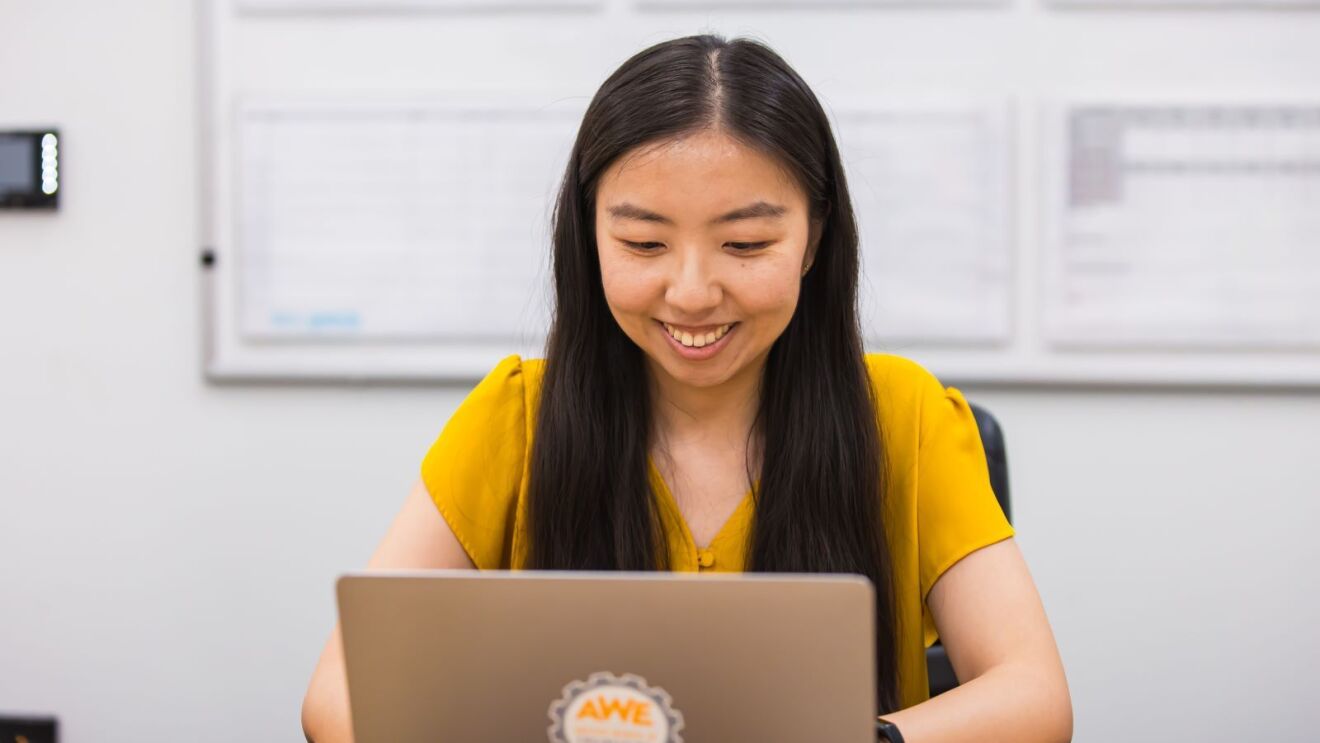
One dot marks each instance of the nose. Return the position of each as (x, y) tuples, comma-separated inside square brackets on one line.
[(694, 289)]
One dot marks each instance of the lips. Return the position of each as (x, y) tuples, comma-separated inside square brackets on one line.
[(684, 342)]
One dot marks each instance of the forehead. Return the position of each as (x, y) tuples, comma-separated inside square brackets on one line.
[(697, 177)]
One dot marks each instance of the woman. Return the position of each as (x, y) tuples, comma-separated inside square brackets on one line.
[(705, 404)]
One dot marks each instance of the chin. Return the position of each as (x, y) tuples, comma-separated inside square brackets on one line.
[(709, 373), (699, 377)]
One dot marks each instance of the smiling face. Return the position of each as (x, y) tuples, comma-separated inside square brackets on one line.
[(703, 243)]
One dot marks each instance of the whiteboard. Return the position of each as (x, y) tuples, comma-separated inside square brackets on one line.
[(360, 234), (388, 237), (931, 181), (405, 275), (408, 222)]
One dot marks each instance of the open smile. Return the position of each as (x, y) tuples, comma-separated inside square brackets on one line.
[(697, 343)]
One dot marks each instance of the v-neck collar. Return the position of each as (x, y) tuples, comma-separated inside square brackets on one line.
[(672, 503)]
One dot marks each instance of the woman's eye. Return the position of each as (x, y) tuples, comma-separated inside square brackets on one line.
[(654, 245)]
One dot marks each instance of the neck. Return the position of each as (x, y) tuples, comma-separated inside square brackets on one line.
[(719, 415)]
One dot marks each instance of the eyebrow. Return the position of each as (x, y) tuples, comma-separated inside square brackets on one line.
[(757, 210)]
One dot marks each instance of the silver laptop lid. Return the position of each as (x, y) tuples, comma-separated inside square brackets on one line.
[(462, 655)]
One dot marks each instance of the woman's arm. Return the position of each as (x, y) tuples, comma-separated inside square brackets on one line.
[(993, 626), (418, 538)]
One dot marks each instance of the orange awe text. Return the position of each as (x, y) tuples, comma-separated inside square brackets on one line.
[(628, 710)]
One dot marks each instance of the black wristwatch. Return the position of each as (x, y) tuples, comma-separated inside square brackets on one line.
[(886, 730)]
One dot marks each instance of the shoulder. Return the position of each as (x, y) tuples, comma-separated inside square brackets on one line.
[(888, 367), (902, 382), (509, 385), (512, 373), (910, 398), (491, 424)]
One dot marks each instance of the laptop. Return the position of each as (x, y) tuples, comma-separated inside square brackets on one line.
[(600, 657)]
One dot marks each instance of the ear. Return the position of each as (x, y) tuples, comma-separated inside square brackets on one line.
[(813, 242)]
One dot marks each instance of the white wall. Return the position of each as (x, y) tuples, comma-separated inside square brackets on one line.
[(167, 547)]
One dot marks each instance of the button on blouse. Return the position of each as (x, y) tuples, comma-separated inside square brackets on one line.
[(705, 558)]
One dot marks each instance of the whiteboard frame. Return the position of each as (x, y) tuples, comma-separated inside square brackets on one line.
[(1027, 361)]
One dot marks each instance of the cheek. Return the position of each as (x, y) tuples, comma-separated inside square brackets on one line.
[(628, 287), (772, 292)]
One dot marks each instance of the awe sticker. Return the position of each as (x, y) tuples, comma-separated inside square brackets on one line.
[(614, 709)]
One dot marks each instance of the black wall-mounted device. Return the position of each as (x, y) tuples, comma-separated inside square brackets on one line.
[(31, 729), (29, 169)]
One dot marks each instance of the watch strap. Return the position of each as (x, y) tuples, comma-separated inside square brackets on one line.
[(886, 730)]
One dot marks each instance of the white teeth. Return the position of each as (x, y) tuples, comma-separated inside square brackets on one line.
[(699, 340)]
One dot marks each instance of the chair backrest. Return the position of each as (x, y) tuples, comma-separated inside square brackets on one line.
[(938, 668), (996, 455)]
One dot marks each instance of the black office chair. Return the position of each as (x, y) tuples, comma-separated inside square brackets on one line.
[(938, 667)]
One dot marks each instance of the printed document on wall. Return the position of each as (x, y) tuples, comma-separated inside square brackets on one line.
[(410, 222), (1185, 225), (800, 4), (930, 185), (1162, 4)]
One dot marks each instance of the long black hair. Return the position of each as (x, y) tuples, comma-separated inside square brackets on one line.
[(818, 505)]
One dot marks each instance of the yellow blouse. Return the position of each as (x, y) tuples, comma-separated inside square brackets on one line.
[(939, 506)]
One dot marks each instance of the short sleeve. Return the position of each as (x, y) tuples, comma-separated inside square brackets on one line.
[(474, 468), (957, 512)]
